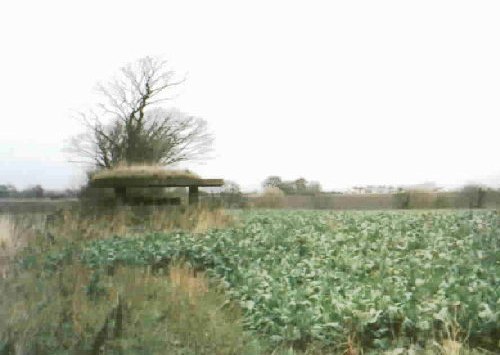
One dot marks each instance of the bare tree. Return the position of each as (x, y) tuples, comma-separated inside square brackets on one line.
[(131, 127)]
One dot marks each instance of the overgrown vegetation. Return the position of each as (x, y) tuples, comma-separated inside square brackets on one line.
[(137, 171), (272, 197), (68, 307), (312, 282), (76, 309)]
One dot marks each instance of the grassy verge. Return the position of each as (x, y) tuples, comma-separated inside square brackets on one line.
[(131, 311), (69, 307)]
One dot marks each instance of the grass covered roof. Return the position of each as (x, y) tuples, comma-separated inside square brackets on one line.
[(149, 176), (142, 171)]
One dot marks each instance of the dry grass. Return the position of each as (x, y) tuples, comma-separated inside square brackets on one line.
[(6, 244), (74, 226), (272, 197), (6, 231), (451, 347), (131, 310), (16, 231), (142, 171), (121, 221), (183, 279), (194, 219)]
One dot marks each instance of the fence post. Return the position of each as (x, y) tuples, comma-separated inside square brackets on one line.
[(193, 195)]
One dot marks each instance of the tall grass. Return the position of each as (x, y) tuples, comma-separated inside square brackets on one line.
[(6, 243), (76, 309), (79, 310), (84, 223), (17, 231)]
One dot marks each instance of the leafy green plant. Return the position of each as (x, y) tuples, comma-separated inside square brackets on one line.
[(381, 276), (302, 280)]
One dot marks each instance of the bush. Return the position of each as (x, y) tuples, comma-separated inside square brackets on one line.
[(272, 197), (402, 200), (474, 196)]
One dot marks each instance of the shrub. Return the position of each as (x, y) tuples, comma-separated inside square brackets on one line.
[(272, 197), (474, 196), (402, 200)]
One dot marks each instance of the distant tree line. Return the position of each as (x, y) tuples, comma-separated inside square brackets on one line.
[(36, 191), (299, 186), (471, 196), (474, 195)]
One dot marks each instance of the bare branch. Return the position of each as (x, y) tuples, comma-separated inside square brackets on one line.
[(130, 126)]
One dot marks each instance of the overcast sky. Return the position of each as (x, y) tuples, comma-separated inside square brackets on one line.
[(342, 92)]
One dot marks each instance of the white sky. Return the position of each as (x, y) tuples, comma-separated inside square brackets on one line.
[(342, 92)]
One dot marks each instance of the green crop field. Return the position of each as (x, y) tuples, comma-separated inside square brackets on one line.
[(384, 279), (377, 280)]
